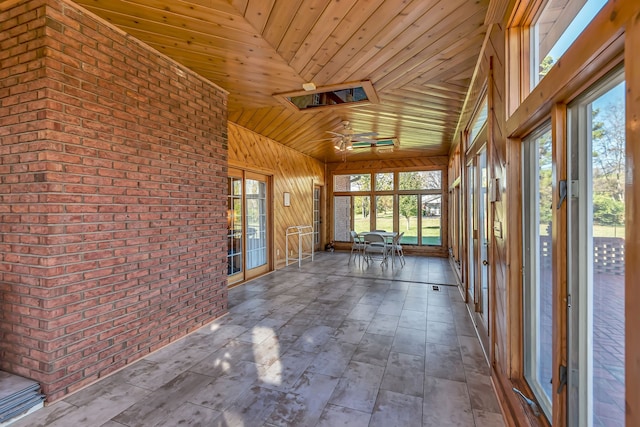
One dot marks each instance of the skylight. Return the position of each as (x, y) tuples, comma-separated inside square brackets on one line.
[(343, 95)]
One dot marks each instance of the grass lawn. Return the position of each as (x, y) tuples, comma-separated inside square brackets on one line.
[(430, 228), (598, 231)]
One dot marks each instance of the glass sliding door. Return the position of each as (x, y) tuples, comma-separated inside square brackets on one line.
[(597, 262), (248, 219), (483, 239), (472, 233), (317, 219), (537, 257), (235, 242), (478, 243), (256, 221)]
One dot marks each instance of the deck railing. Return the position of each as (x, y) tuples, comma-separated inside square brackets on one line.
[(608, 254)]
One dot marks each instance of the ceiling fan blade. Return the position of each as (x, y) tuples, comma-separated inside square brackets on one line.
[(357, 135)]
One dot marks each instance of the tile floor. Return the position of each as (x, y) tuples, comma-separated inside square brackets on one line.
[(329, 344)]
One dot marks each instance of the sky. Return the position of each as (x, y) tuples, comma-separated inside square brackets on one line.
[(577, 26), (582, 19)]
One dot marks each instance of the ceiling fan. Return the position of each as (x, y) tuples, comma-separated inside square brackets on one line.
[(343, 141)]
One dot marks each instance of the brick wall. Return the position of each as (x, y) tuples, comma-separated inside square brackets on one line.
[(113, 163)]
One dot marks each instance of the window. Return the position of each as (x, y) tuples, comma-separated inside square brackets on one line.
[(597, 256), (384, 213), (424, 180), (360, 182), (478, 120), (361, 213), (414, 208), (431, 204), (384, 181), (538, 284), (557, 26)]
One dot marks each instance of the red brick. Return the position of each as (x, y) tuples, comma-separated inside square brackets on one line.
[(105, 197)]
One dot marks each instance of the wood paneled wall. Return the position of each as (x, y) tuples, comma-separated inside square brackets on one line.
[(291, 172)]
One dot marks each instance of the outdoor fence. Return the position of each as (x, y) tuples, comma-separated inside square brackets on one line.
[(608, 254)]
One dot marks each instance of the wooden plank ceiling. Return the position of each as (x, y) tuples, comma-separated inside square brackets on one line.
[(419, 55)]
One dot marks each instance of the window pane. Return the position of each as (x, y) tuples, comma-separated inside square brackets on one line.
[(342, 218), (421, 180), (558, 26), (360, 182), (471, 228), (408, 209), (316, 216), (361, 213), (607, 263), (234, 226), (431, 205), (256, 200), (384, 213), (538, 262), (384, 181), (478, 121)]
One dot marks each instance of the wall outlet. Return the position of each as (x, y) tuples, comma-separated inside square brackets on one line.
[(277, 252)]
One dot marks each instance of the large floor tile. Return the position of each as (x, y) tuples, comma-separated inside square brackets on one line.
[(339, 416), (396, 410), (328, 344), (444, 361), (305, 402), (358, 387), (446, 403), (373, 349), (404, 374), (409, 341)]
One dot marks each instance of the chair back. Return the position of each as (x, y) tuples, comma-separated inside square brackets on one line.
[(373, 238), (354, 236)]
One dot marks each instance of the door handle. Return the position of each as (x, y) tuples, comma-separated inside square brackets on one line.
[(485, 262)]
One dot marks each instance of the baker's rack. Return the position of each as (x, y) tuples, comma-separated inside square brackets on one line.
[(302, 231)]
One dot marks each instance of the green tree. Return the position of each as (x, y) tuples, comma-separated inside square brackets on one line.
[(608, 142), (384, 181), (408, 208), (408, 205), (544, 177), (384, 204), (546, 65), (607, 210)]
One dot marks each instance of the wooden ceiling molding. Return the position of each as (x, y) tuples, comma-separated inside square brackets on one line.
[(419, 55)]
